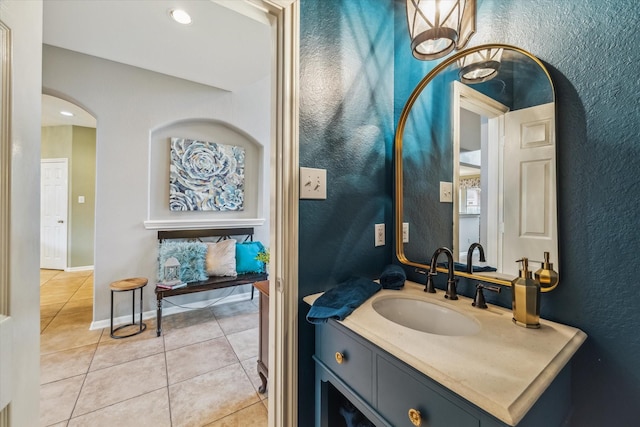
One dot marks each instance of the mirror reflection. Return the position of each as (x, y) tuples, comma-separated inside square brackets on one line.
[(475, 163)]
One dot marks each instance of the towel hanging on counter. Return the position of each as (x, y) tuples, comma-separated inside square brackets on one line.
[(339, 302), (393, 277)]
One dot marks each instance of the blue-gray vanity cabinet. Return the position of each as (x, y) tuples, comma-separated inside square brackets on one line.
[(384, 388), (399, 391), (347, 357)]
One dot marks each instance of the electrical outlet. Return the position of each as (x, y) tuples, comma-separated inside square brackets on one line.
[(379, 229), (446, 192), (313, 183), (405, 232)]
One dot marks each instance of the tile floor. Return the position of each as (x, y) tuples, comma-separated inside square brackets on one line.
[(200, 372)]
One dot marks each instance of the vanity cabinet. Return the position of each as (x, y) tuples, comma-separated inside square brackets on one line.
[(400, 391), (263, 339), (385, 389), (348, 358)]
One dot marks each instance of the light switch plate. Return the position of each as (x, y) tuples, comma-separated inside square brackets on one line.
[(405, 232), (446, 192), (379, 237), (313, 183)]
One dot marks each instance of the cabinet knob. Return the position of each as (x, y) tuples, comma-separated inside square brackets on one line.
[(414, 417), (340, 357)]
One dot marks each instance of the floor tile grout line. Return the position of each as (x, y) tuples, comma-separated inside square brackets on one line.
[(116, 403), (126, 361), (95, 350), (67, 349), (202, 373), (166, 370), (259, 402), (221, 315), (83, 382)]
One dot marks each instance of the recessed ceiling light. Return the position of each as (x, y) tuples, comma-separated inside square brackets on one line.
[(66, 113), (180, 16)]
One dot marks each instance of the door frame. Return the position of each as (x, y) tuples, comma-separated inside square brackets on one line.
[(64, 161), (474, 101), (5, 162), (284, 16), (5, 191)]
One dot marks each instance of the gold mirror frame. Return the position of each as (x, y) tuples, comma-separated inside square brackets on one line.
[(398, 145)]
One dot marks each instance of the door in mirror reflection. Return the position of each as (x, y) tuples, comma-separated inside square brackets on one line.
[(510, 217)]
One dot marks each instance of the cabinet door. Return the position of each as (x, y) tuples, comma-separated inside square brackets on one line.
[(399, 391), (354, 365)]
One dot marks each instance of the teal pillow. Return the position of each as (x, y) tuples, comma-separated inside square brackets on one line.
[(246, 261), (190, 255)]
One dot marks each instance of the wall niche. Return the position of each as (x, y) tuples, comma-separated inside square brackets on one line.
[(256, 179)]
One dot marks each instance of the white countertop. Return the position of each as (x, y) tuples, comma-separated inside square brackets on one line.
[(502, 369)]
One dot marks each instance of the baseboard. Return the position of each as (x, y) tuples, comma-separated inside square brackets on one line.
[(81, 268), (167, 311)]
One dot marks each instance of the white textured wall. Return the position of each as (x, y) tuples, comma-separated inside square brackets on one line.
[(129, 104)]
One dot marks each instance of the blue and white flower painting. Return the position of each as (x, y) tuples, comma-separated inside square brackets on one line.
[(206, 176)]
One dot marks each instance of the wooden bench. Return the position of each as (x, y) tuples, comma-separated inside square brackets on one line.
[(213, 282)]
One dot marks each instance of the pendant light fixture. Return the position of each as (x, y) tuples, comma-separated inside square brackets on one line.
[(480, 66), (437, 27)]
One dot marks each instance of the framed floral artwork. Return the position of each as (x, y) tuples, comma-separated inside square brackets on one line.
[(206, 176)]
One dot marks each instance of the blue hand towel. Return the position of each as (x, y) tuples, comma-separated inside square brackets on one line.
[(393, 277), (339, 302)]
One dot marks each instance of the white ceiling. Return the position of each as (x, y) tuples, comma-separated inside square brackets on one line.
[(52, 106), (221, 47)]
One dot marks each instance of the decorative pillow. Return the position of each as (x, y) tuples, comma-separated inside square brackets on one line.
[(246, 261), (221, 258), (190, 255)]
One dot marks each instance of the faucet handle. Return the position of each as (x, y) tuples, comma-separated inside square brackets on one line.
[(452, 292), (429, 287), (479, 301)]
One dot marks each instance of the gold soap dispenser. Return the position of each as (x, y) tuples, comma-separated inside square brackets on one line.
[(546, 275), (525, 298)]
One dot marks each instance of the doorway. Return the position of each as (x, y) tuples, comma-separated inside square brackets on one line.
[(54, 195), (68, 186), (478, 129), (506, 216), (283, 20)]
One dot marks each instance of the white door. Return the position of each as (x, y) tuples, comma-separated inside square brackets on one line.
[(530, 216), (53, 213)]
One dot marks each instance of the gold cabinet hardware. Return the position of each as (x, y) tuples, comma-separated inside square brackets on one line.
[(414, 417), (340, 357)]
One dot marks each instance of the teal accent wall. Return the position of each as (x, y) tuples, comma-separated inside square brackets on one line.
[(346, 127), (591, 50)]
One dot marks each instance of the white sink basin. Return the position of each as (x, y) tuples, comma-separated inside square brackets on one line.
[(425, 316)]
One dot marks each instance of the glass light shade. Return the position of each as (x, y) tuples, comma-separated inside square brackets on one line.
[(478, 67), (436, 27)]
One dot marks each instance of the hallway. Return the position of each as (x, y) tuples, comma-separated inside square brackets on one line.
[(201, 372)]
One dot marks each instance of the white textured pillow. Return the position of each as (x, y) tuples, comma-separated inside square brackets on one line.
[(221, 258)]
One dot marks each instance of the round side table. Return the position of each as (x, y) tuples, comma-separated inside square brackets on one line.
[(127, 285)]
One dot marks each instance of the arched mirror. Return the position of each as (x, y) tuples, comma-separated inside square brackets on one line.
[(475, 155)]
